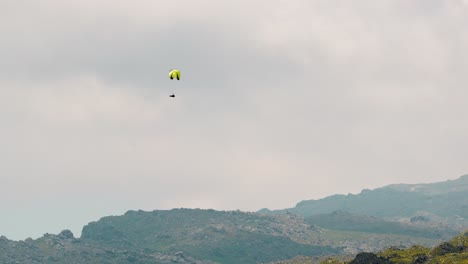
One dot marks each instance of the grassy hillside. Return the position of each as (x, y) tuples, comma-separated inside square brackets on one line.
[(341, 220), (454, 251)]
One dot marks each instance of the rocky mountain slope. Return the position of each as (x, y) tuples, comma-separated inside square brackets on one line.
[(225, 237), (175, 236), (64, 248), (436, 210)]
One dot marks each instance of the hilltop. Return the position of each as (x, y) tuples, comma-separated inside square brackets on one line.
[(225, 237)]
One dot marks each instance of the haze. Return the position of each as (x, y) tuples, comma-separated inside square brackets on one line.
[(280, 101)]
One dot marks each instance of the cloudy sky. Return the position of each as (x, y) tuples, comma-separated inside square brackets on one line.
[(280, 101)]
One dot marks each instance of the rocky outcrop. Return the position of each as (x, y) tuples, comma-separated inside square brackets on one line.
[(64, 248)]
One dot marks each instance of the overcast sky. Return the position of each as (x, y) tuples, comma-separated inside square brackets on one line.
[(280, 101)]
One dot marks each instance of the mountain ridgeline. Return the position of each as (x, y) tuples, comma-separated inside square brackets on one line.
[(174, 236), (387, 223), (224, 237), (445, 199)]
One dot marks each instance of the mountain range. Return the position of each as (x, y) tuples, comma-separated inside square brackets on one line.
[(398, 216)]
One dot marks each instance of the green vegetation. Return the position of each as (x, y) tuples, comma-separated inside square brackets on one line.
[(409, 255), (454, 251)]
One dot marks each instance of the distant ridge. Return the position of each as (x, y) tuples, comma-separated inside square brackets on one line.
[(457, 185), (447, 199)]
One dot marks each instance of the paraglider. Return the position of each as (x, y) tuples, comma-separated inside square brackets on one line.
[(174, 74)]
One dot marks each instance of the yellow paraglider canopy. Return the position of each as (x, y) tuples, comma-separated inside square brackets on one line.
[(174, 74)]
